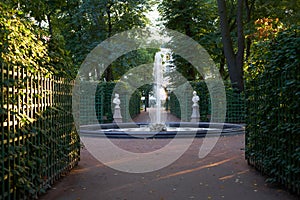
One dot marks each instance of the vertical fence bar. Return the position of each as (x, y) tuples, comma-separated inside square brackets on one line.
[(18, 111), (2, 178), (35, 124), (3, 108), (9, 189), (14, 124), (272, 141)]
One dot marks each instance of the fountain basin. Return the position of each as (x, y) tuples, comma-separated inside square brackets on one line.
[(142, 130)]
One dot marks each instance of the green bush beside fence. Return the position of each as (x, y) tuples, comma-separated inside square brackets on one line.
[(100, 109), (235, 103), (273, 120), (39, 143), (130, 102)]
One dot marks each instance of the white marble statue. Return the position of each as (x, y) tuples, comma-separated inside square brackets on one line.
[(117, 101), (117, 112), (195, 98), (195, 113)]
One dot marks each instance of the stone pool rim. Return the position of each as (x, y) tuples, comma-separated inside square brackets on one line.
[(110, 130)]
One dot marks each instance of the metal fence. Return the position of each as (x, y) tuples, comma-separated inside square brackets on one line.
[(235, 108), (99, 108), (38, 142), (273, 127)]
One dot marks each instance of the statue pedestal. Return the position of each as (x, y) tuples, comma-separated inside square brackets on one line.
[(195, 114), (117, 115)]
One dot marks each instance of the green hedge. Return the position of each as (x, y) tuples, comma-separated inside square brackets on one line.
[(39, 143), (273, 120), (130, 103), (235, 103)]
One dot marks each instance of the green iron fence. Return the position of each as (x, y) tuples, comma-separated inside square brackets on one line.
[(273, 128), (235, 108), (100, 109), (39, 143), (273, 110), (180, 102)]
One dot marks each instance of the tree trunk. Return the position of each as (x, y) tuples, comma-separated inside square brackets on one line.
[(147, 100), (50, 24), (249, 9), (234, 62), (241, 46), (190, 69), (222, 66), (108, 71)]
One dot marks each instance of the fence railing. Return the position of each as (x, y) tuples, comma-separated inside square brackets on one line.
[(235, 108), (272, 130), (38, 142), (99, 108)]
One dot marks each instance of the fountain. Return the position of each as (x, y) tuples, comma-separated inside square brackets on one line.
[(157, 124), (158, 127), (95, 136)]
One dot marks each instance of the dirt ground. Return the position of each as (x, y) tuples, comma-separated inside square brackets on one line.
[(223, 174)]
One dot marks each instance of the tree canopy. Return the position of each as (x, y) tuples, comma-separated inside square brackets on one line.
[(226, 29), (73, 28), (65, 31)]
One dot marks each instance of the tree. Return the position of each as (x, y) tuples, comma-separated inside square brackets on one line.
[(92, 21), (196, 19), (133, 59), (247, 12), (76, 27), (46, 17), (286, 10), (22, 44), (237, 25), (235, 60)]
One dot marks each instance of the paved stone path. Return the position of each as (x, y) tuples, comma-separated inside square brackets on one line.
[(223, 174)]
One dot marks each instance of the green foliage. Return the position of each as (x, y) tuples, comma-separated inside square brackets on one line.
[(61, 61), (41, 10), (88, 23), (24, 44), (21, 43), (273, 140), (285, 10), (174, 105), (41, 150), (130, 60), (198, 20), (38, 141), (130, 101), (262, 58), (193, 18), (181, 105)]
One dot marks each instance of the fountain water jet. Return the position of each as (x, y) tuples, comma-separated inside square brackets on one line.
[(159, 127), (157, 122)]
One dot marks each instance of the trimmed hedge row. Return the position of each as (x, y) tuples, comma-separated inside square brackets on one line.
[(273, 120), (235, 103), (39, 143), (130, 102)]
